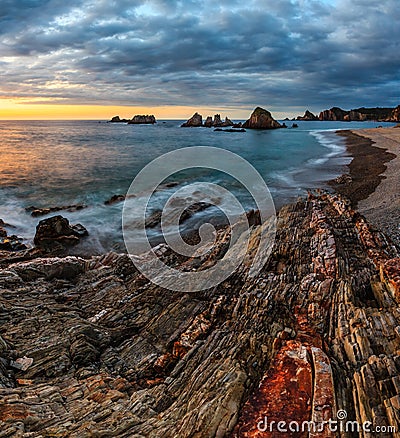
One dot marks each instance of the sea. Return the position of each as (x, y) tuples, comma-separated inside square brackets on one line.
[(59, 163)]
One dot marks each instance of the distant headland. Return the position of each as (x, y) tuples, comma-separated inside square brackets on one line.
[(354, 115)]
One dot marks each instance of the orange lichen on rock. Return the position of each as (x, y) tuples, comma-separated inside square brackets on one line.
[(284, 394)]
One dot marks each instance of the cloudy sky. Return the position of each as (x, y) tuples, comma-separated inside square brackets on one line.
[(227, 55)]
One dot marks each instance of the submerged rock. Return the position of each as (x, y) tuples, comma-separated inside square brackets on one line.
[(261, 119), (35, 211)]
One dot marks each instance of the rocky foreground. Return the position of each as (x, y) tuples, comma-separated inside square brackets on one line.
[(90, 348)]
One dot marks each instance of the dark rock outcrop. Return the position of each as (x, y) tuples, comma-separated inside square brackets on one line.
[(57, 233), (308, 116), (142, 120), (209, 122), (98, 350), (37, 211), (195, 121), (217, 122), (115, 199), (116, 119), (9, 243), (227, 122), (261, 119)]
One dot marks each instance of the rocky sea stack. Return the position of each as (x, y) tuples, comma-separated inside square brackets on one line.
[(197, 120), (261, 119), (308, 116)]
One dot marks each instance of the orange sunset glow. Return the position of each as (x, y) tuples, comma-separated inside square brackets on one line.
[(19, 109)]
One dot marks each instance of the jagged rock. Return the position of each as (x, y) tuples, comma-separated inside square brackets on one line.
[(56, 232), (10, 243), (308, 116), (209, 122), (195, 121), (295, 125), (261, 119), (142, 120), (315, 332), (227, 122), (217, 120)]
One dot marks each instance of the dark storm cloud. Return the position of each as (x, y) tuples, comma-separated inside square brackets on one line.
[(292, 53)]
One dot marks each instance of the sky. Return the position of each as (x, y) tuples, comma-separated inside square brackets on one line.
[(89, 59)]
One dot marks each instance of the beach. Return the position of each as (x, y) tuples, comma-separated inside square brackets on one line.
[(374, 187)]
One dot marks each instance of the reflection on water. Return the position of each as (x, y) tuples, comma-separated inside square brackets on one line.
[(52, 163)]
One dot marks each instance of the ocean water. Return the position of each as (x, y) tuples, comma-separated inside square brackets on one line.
[(54, 163)]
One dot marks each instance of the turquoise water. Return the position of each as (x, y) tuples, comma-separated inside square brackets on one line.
[(50, 163)]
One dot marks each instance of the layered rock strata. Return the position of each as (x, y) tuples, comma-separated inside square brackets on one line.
[(92, 348)]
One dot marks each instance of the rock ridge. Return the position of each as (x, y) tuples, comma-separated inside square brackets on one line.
[(92, 348)]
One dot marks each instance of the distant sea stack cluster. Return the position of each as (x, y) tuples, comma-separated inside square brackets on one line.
[(136, 120), (259, 119), (355, 115)]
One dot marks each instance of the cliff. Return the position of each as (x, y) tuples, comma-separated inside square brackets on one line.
[(261, 119), (91, 348), (361, 114)]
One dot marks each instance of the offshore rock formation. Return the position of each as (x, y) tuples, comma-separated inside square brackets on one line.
[(308, 116), (136, 120), (91, 348), (261, 119), (361, 114), (142, 120), (195, 121)]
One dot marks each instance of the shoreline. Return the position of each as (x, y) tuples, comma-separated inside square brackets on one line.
[(372, 182)]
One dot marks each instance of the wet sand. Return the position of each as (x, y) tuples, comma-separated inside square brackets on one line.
[(374, 188)]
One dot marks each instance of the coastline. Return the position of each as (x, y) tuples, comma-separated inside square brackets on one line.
[(372, 183)]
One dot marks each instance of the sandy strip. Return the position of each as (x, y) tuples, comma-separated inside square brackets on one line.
[(377, 199), (382, 207)]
